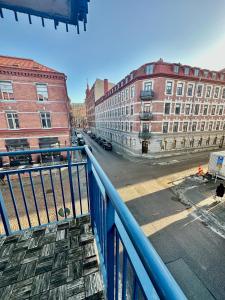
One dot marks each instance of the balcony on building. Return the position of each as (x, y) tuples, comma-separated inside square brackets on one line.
[(146, 116), (58, 220), (147, 95), (144, 134)]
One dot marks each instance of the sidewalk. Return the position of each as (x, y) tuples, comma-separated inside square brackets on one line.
[(199, 194)]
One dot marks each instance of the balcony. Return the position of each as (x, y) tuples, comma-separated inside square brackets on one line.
[(147, 95), (50, 216), (145, 135), (146, 116)]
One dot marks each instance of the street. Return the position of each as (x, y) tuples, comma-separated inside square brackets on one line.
[(193, 253)]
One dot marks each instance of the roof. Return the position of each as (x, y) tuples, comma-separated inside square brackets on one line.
[(23, 63)]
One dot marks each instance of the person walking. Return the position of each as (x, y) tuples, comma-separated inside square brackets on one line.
[(220, 191)]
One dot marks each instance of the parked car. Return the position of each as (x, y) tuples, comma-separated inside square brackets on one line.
[(98, 140), (89, 132), (80, 142), (102, 141), (83, 150), (107, 146)]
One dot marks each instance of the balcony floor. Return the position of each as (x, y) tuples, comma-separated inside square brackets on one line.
[(57, 261)]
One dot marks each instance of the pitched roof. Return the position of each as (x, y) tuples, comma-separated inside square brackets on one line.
[(23, 63)]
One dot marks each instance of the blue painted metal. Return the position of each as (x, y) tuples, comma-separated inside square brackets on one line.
[(24, 199), (78, 180), (4, 216), (69, 11), (62, 190), (113, 225), (71, 183)]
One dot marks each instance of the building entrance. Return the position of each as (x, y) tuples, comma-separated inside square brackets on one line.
[(144, 147)]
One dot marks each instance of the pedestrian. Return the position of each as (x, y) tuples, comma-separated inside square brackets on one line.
[(220, 191)]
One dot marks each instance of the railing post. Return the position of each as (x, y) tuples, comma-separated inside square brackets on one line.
[(90, 189), (71, 183), (110, 221), (4, 215)]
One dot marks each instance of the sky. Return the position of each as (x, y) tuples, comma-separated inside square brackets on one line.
[(121, 36)]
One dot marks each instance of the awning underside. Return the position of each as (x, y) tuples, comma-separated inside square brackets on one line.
[(70, 12)]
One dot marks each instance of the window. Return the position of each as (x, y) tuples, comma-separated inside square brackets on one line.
[(194, 126), (223, 93), (132, 91), (149, 69), (220, 110), (199, 90), (176, 69), (131, 109), (165, 127), (127, 94), (175, 127), (190, 89), (210, 126), (221, 76), (146, 108), (145, 127), (218, 125), (216, 92), (214, 76), (131, 126), (45, 120), (213, 111), (196, 111), (185, 126), (167, 109), (148, 86), (206, 73), (205, 110), (6, 90), (127, 110), (202, 128), (208, 91), (177, 108), (186, 71), (196, 72), (169, 87), (187, 109), (180, 86), (42, 92), (13, 120)]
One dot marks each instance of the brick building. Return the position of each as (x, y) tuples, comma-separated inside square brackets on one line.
[(34, 106), (99, 88), (164, 107), (79, 115)]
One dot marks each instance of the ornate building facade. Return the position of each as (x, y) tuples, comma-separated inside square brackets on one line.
[(164, 107), (79, 115)]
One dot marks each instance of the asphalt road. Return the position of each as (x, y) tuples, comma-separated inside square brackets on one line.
[(194, 254)]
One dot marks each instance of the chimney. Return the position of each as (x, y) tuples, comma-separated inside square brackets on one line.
[(106, 86)]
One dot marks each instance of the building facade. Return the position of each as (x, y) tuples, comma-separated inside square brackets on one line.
[(99, 88), (79, 115), (34, 106), (164, 107)]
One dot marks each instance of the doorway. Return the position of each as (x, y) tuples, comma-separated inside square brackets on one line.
[(144, 147)]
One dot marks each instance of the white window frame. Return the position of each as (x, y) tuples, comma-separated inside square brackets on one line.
[(175, 108), (210, 95), (46, 112), (215, 87), (6, 92), (148, 81), (188, 103), (183, 83), (171, 89), (166, 102), (193, 91), (199, 84), (43, 84), (185, 121), (223, 92), (12, 113), (132, 91)]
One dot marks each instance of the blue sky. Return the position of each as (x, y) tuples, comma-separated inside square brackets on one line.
[(122, 35)]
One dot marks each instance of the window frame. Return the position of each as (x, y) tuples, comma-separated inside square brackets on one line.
[(46, 119), (44, 98), (6, 91), (167, 114), (16, 125), (172, 85)]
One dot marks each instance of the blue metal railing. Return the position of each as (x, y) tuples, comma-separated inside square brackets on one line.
[(131, 267)]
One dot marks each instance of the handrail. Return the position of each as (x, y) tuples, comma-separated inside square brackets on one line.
[(164, 283)]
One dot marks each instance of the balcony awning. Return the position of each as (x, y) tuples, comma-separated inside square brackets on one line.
[(69, 12)]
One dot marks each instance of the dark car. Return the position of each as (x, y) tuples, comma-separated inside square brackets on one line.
[(93, 136), (83, 150), (102, 141), (80, 142), (98, 140), (107, 146)]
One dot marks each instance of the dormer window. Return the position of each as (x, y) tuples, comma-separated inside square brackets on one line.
[(214, 75), (176, 69), (186, 71), (196, 72), (222, 76), (206, 73), (149, 69)]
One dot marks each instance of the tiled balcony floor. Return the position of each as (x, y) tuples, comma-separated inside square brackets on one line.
[(57, 261)]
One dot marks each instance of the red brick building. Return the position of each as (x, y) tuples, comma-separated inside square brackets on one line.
[(34, 106), (164, 107)]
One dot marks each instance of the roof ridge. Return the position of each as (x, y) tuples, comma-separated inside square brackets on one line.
[(16, 57)]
